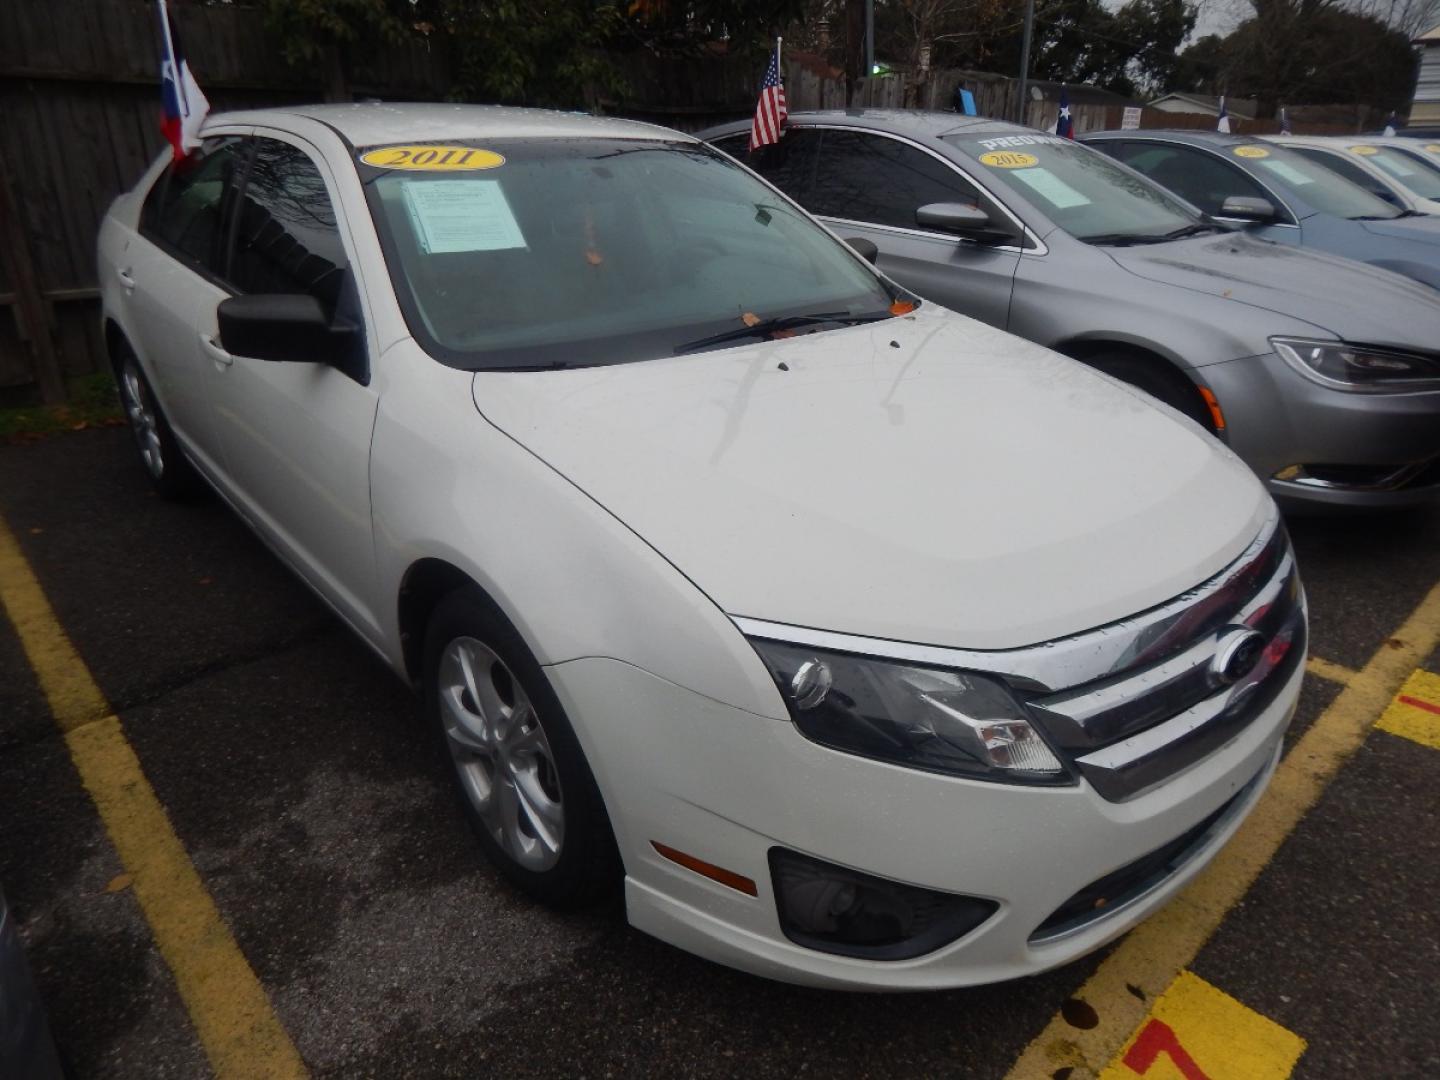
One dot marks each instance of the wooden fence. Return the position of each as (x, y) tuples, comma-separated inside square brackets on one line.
[(79, 122), (79, 112)]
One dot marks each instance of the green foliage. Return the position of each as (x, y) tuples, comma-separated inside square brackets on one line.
[(305, 28), (1300, 52), (551, 53)]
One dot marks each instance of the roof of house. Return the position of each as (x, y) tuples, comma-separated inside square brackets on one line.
[(1433, 34), (1210, 103)]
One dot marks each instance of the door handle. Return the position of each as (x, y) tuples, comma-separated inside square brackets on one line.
[(215, 351), (127, 280)]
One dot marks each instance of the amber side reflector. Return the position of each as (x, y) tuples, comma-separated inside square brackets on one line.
[(709, 870), (901, 307), (1216, 415)]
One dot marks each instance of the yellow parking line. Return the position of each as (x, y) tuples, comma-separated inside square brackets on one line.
[(1148, 960), (1327, 669), (232, 1015)]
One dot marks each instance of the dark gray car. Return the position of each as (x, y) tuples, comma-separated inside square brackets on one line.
[(1306, 203), (26, 1049), (1320, 372)]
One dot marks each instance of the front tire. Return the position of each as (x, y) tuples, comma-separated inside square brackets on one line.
[(522, 778)]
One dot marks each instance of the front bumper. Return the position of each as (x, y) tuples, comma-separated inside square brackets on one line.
[(1278, 419), (726, 786)]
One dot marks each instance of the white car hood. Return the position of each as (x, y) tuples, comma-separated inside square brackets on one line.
[(924, 479)]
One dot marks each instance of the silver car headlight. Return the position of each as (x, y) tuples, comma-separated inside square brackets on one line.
[(1359, 367), (934, 719)]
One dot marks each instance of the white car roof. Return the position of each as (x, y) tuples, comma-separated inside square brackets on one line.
[(378, 123)]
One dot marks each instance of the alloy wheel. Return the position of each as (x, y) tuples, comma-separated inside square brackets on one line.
[(501, 753)]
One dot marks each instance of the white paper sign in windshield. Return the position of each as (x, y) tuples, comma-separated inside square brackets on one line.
[(1051, 188), (461, 215), (1393, 165), (1287, 172)]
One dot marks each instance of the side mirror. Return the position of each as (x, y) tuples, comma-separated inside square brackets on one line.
[(1245, 208), (962, 219), (282, 327), (864, 248)]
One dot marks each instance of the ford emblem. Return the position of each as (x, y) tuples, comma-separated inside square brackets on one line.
[(1236, 654)]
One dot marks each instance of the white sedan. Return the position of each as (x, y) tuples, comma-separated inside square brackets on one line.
[(868, 646)]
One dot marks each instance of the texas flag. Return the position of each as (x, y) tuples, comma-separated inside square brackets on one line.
[(184, 105)]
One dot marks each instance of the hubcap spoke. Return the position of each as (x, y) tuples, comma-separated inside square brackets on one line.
[(500, 749)]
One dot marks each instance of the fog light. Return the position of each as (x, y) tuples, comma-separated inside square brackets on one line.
[(837, 910)]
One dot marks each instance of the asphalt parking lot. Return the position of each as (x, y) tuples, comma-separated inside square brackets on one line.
[(313, 808)]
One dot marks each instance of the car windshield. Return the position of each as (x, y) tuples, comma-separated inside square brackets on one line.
[(1418, 175), (1080, 189), (1324, 189), (566, 252)]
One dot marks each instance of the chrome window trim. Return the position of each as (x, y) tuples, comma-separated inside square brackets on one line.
[(1055, 665), (1040, 247), (947, 238), (1291, 224)]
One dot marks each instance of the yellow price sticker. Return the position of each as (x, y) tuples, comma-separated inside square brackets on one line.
[(1434, 148), (1364, 151), (1008, 159), (1251, 151), (432, 158)]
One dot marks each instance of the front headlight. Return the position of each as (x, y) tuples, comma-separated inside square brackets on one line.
[(1359, 367), (933, 719)]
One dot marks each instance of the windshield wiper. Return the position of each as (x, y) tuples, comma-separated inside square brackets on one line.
[(1193, 230), (1376, 217), (1125, 239), (780, 322)]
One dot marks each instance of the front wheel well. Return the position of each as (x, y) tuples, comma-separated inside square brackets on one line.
[(116, 345), (1162, 377), (426, 583)]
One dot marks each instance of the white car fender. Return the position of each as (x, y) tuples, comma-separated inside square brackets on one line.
[(573, 579)]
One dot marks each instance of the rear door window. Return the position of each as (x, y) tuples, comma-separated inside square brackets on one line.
[(189, 209)]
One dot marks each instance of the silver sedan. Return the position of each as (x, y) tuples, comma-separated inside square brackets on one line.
[(1322, 373)]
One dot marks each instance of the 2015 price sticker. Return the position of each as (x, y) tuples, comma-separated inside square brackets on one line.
[(1008, 159), (432, 158)]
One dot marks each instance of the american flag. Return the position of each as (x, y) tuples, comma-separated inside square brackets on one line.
[(770, 112)]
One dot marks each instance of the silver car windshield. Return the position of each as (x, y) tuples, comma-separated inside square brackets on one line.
[(553, 252), (1327, 191), (1420, 176), (1080, 189)]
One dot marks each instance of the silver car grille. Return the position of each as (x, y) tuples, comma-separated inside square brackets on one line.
[(1175, 701)]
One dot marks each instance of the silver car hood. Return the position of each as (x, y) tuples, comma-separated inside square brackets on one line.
[(926, 479), (1351, 300)]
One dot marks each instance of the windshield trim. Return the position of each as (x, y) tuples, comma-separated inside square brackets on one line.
[(559, 355), (1033, 244)]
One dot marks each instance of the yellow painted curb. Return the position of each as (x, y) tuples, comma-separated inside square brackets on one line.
[(1415, 712)]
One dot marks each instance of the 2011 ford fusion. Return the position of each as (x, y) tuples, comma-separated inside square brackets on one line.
[(868, 645)]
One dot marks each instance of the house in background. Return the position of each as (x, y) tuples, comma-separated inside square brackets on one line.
[(1425, 106), (1204, 105)]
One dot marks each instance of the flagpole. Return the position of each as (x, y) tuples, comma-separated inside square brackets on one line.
[(174, 67)]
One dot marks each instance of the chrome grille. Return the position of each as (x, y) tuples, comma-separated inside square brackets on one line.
[(1170, 706)]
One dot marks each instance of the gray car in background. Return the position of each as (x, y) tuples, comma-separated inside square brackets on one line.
[(1282, 196), (27, 1051), (1320, 372)]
